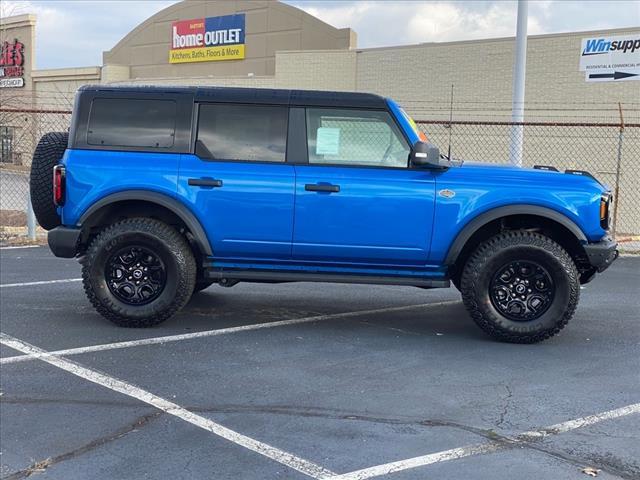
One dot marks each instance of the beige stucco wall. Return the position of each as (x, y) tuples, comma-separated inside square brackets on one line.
[(56, 88), (317, 70), (270, 27), (115, 73), (242, 81)]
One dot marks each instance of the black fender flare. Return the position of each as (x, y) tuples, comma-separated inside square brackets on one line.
[(179, 209), (481, 220)]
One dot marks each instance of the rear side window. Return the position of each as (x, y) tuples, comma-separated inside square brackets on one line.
[(242, 132), (132, 123)]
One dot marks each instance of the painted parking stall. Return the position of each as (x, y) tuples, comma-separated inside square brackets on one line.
[(258, 390)]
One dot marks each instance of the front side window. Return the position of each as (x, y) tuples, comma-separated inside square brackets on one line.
[(242, 132), (119, 122), (355, 137)]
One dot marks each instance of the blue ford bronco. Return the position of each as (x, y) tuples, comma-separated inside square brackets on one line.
[(163, 191)]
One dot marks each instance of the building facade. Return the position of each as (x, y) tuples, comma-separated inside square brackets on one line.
[(284, 47)]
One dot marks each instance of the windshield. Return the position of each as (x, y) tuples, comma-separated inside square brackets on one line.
[(421, 135)]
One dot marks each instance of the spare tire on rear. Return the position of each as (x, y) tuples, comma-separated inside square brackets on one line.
[(48, 153)]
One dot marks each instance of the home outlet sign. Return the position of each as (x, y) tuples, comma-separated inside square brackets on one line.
[(207, 39), (11, 64)]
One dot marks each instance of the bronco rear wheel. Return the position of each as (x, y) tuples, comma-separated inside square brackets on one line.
[(139, 272), (47, 154), (520, 287)]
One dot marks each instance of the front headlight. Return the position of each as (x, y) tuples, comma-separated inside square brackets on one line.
[(605, 210)]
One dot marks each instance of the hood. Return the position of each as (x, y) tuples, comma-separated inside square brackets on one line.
[(544, 174)]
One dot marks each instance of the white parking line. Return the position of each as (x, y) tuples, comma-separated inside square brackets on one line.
[(582, 422), (20, 246), (43, 282), (117, 385), (483, 448), (221, 331), (421, 461)]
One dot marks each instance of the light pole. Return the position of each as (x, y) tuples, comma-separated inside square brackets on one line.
[(519, 69)]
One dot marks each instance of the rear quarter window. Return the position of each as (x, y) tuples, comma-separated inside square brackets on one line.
[(132, 123)]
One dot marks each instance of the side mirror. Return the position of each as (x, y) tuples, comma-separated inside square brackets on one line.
[(427, 155)]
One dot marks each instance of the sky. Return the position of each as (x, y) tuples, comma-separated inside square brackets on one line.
[(74, 33)]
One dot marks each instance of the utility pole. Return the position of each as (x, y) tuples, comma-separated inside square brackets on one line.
[(519, 68)]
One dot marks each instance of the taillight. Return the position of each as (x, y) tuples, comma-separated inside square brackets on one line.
[(58, 185)]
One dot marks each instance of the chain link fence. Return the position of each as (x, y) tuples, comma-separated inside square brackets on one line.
[(20, 130), (609, 151)]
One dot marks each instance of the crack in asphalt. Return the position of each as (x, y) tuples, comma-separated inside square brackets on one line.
[(505, 408), (40, 466), (308, 412), (610, 465)]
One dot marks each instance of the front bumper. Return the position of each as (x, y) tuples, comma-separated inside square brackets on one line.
[(602, 254), (63, 241)]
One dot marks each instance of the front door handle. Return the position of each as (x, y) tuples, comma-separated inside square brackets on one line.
[(322, 187), (204, 182)]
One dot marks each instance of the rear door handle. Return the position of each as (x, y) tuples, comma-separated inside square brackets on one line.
[(322, 187), (204, 182)]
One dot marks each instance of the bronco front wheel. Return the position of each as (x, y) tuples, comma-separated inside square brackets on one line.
[(520, 287), (139, 272)]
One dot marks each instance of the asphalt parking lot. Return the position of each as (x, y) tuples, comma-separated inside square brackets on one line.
[(311, 380)]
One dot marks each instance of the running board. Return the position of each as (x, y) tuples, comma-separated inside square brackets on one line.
[(271, 276)]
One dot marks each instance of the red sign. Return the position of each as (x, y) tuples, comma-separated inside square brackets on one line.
[(11, 59), (11, 64), (188, 33)]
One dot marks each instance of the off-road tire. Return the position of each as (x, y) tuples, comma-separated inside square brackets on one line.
[(47, 154), (162, 239), (490, 256)]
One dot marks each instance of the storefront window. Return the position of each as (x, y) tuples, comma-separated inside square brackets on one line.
[(6, 144)]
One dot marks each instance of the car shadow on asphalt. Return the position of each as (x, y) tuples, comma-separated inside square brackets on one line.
[(212, 310)]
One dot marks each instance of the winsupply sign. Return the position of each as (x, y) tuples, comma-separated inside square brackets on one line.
[(207, 39), (611, 59)]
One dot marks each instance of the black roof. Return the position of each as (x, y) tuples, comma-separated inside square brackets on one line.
[(254, 95)]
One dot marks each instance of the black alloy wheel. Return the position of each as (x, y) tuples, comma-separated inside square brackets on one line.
[(136, 275), (522, 290)]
